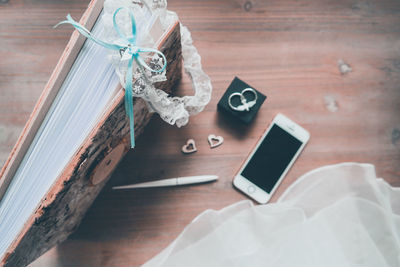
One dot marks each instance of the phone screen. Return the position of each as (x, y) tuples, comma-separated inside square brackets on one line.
[(271, 158)]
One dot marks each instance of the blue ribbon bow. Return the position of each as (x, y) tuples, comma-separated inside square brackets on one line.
[(133, 50)]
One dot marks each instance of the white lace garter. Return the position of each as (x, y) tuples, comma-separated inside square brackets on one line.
[(174, 110)]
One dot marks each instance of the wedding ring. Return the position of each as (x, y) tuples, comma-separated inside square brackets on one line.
[(246, 104)]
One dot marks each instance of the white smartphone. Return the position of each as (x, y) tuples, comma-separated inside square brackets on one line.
[(271, 159)]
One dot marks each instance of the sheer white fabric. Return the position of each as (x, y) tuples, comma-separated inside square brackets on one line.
[(339, 215), (174, 110)]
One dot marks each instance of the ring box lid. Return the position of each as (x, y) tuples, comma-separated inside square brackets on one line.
[(237, 86)]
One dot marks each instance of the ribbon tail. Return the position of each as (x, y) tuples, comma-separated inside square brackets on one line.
[(133, 50), (85, 32), (129, 102)]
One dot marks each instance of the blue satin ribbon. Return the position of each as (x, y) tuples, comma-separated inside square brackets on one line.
[(130, 48)]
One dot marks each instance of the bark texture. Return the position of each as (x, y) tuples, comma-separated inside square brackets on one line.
[(66, 203)]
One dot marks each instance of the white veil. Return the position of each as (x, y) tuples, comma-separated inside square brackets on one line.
[(338, 215)]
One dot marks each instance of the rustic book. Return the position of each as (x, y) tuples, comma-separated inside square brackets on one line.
[(64, 198)]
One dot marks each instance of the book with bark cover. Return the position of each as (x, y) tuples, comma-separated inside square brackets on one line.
[(76, 135)]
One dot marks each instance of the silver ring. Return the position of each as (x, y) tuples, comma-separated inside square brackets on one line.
[(246, 105)]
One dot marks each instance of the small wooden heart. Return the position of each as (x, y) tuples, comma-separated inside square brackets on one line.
[(215, 141), (190, 147)]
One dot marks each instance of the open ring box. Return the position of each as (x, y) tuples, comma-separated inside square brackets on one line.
[(237, 86)]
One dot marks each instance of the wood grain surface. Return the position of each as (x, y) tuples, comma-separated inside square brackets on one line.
[(289, 50)]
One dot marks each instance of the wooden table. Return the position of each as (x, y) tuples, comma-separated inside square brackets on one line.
[(289, 50)]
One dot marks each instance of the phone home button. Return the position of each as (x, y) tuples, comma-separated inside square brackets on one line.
[(251, 189)]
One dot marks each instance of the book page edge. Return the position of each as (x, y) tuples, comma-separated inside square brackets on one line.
[(45, 100), (69, 168)]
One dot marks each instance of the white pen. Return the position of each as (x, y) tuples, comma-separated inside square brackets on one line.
[(171, 182)]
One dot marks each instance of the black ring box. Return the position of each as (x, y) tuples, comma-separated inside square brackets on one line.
[(246, 117)]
